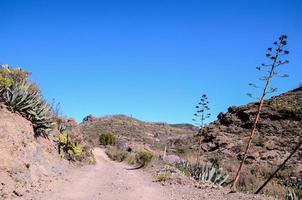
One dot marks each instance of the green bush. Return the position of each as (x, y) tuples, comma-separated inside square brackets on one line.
[(22, 96), (10, 76), (5, 82), (116, 155), (144, 156), (107, 139), (140, 158)]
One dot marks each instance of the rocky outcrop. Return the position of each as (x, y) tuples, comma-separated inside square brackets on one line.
[(278, 132), (88, 119)]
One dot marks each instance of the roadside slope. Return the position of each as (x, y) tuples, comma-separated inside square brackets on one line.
[(27, 163)]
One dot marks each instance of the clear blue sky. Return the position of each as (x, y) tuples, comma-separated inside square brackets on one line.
[(151, 59)]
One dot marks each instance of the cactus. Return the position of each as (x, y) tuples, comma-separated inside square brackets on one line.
[(291, 195), (67, 146), (20, 98), (204, 173)]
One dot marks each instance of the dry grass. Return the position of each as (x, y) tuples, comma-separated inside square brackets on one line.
[(115, 154), (253, 177), (163, 176)]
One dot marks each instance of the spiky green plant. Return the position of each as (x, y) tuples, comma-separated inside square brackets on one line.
[(20, 98), (291, 195), (213, 175), (204, 173), (68, 148)]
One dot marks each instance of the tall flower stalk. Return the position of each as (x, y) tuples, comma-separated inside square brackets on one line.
[(200, 117), (275, 55)]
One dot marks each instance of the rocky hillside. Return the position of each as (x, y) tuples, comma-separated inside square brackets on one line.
[(155, 135), (278, 132)]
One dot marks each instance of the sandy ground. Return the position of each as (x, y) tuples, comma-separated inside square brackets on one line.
[(108, 180)]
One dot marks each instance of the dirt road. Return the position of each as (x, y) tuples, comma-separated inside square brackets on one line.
[(109, 180)]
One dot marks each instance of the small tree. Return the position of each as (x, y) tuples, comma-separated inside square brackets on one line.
[(275, 56), (200, 117)]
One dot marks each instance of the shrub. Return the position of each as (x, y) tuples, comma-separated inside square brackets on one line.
[(141, 158), (107, 139), (116, 155), (16, 75), (10, 76), (144, 157), (254, 176), (5, 82), (17, 93), (163, 176)]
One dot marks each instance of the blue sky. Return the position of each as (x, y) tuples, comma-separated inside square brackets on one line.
[(149, 59)]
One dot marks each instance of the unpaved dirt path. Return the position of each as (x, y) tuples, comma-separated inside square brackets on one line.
[(109, 180)]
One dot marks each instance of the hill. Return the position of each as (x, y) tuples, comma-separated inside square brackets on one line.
[(155, 135), (278, 132), (223, 141)]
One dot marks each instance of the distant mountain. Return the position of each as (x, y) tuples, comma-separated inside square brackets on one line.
[(185, 126), (154, 134)]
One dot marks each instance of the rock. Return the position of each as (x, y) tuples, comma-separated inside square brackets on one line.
[(270, 146), (18, 194), (121, 144), (279, 127), (89, 118), (233, 109), (270, 155)]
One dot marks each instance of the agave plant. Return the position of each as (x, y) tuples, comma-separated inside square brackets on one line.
[(19, 98), (210, 174), (204, 173), (291, 195)]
